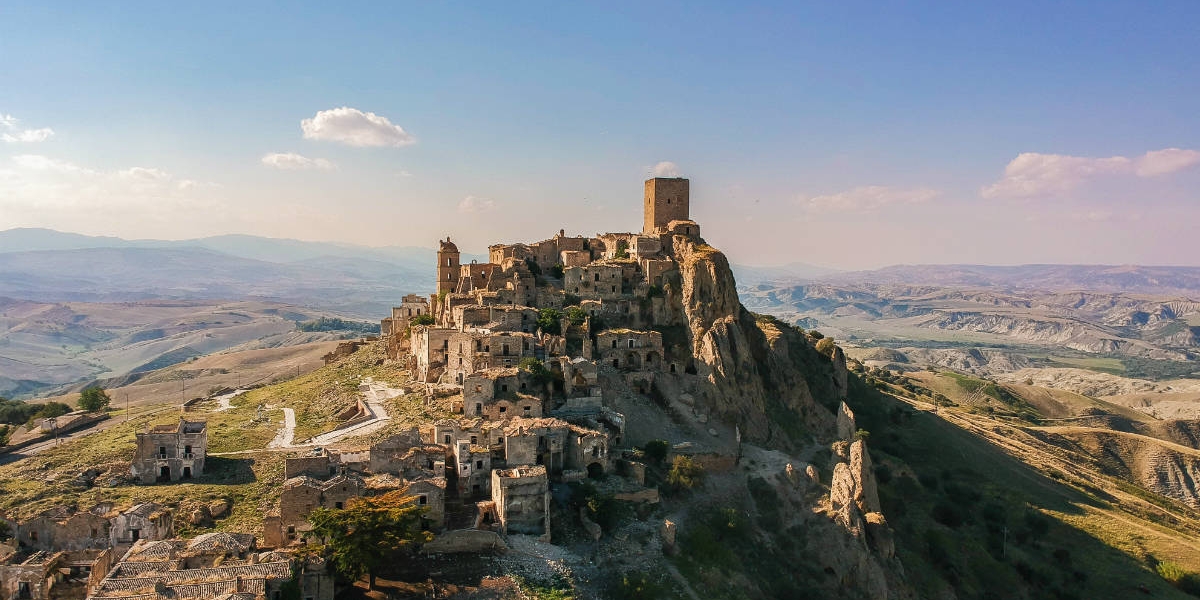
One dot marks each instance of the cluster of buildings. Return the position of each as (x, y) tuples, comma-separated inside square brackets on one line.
[(525, 337)]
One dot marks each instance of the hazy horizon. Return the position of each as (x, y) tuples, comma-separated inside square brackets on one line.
[(827, 135)]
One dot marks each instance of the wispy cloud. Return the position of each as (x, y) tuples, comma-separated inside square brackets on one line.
[(666, 168), (475, 204), (15, 135), (290, 161), (354, 127), (867, 199), (1033, 174)]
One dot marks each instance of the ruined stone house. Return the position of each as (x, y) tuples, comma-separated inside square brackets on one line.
[(170, 452), (35, 576), (521, 497), (65, 528), (497, 394), (146, 521), (212, 565)]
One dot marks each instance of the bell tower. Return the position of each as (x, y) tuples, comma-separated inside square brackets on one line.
[(447, 267), (667, 199)]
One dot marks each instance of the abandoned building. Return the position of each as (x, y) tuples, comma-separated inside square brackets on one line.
[(301, 495), (212, 565), (146, 521), (521, 498), (65, 528), (170, 452)]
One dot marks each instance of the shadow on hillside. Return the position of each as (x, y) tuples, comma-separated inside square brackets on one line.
[(224, 470), (967, 515)]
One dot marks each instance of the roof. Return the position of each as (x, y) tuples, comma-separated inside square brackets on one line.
[(221, 541)]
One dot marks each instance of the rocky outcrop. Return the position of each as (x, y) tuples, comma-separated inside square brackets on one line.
[(757, 381), (866, 490), (845, 423)]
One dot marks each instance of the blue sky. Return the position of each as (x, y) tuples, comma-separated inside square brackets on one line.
[(845, 134)]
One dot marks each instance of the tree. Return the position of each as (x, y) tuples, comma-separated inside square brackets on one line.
[(363, 537), (425, 319), (93, 399), (825, 346), (685, 473), (550, 321), (538, 371)]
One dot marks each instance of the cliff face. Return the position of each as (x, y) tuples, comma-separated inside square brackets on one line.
[(764, 378)]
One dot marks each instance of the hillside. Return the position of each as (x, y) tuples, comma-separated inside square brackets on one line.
[(50, 346)]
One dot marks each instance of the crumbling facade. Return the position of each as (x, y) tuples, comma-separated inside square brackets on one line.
[(170, 452), (522, 500)]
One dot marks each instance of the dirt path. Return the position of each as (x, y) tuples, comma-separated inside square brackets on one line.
[(375, 396), (226, 400), (284, 438)]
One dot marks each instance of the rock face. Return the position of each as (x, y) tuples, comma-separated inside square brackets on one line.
[(845, 423), (867, 496), (756, 381)]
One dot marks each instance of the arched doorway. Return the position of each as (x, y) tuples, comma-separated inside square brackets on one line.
[(595, 470)]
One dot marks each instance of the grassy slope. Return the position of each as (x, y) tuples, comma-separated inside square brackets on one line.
[(958, 480), (250, 476)]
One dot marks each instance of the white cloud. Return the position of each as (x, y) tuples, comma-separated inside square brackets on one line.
[(666, 168), (354, 127), (1168, 160), (1033, 174), (28, 135), (867, 199), (13, 135), (473, 204), (292, 161)]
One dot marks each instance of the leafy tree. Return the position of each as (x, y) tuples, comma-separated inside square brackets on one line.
[(4, 433), (540, 374), (685, 473), (576, 314), (93, 399), (5, 531), (366, 534), (825, 346), (426, 319), (556, 271), (550, 321)]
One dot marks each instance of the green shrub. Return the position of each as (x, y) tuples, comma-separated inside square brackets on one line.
[(550, 321), (576, 314), (425, 319), (93, 399), (816, 335), (685, 473), (825, 346)]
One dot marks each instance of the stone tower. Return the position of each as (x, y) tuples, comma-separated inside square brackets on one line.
[(666, 200), (447, 267)]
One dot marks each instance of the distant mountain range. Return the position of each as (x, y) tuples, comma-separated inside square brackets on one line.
[(359, 281), (1055, 278), (51, 266)]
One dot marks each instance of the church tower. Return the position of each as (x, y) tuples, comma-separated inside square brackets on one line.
[(667, 199), (447, 267)]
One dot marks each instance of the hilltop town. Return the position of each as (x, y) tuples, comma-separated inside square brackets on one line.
[(555, 364)]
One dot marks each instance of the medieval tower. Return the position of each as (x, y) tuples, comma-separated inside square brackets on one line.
[(666, 200), (447, 268)]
